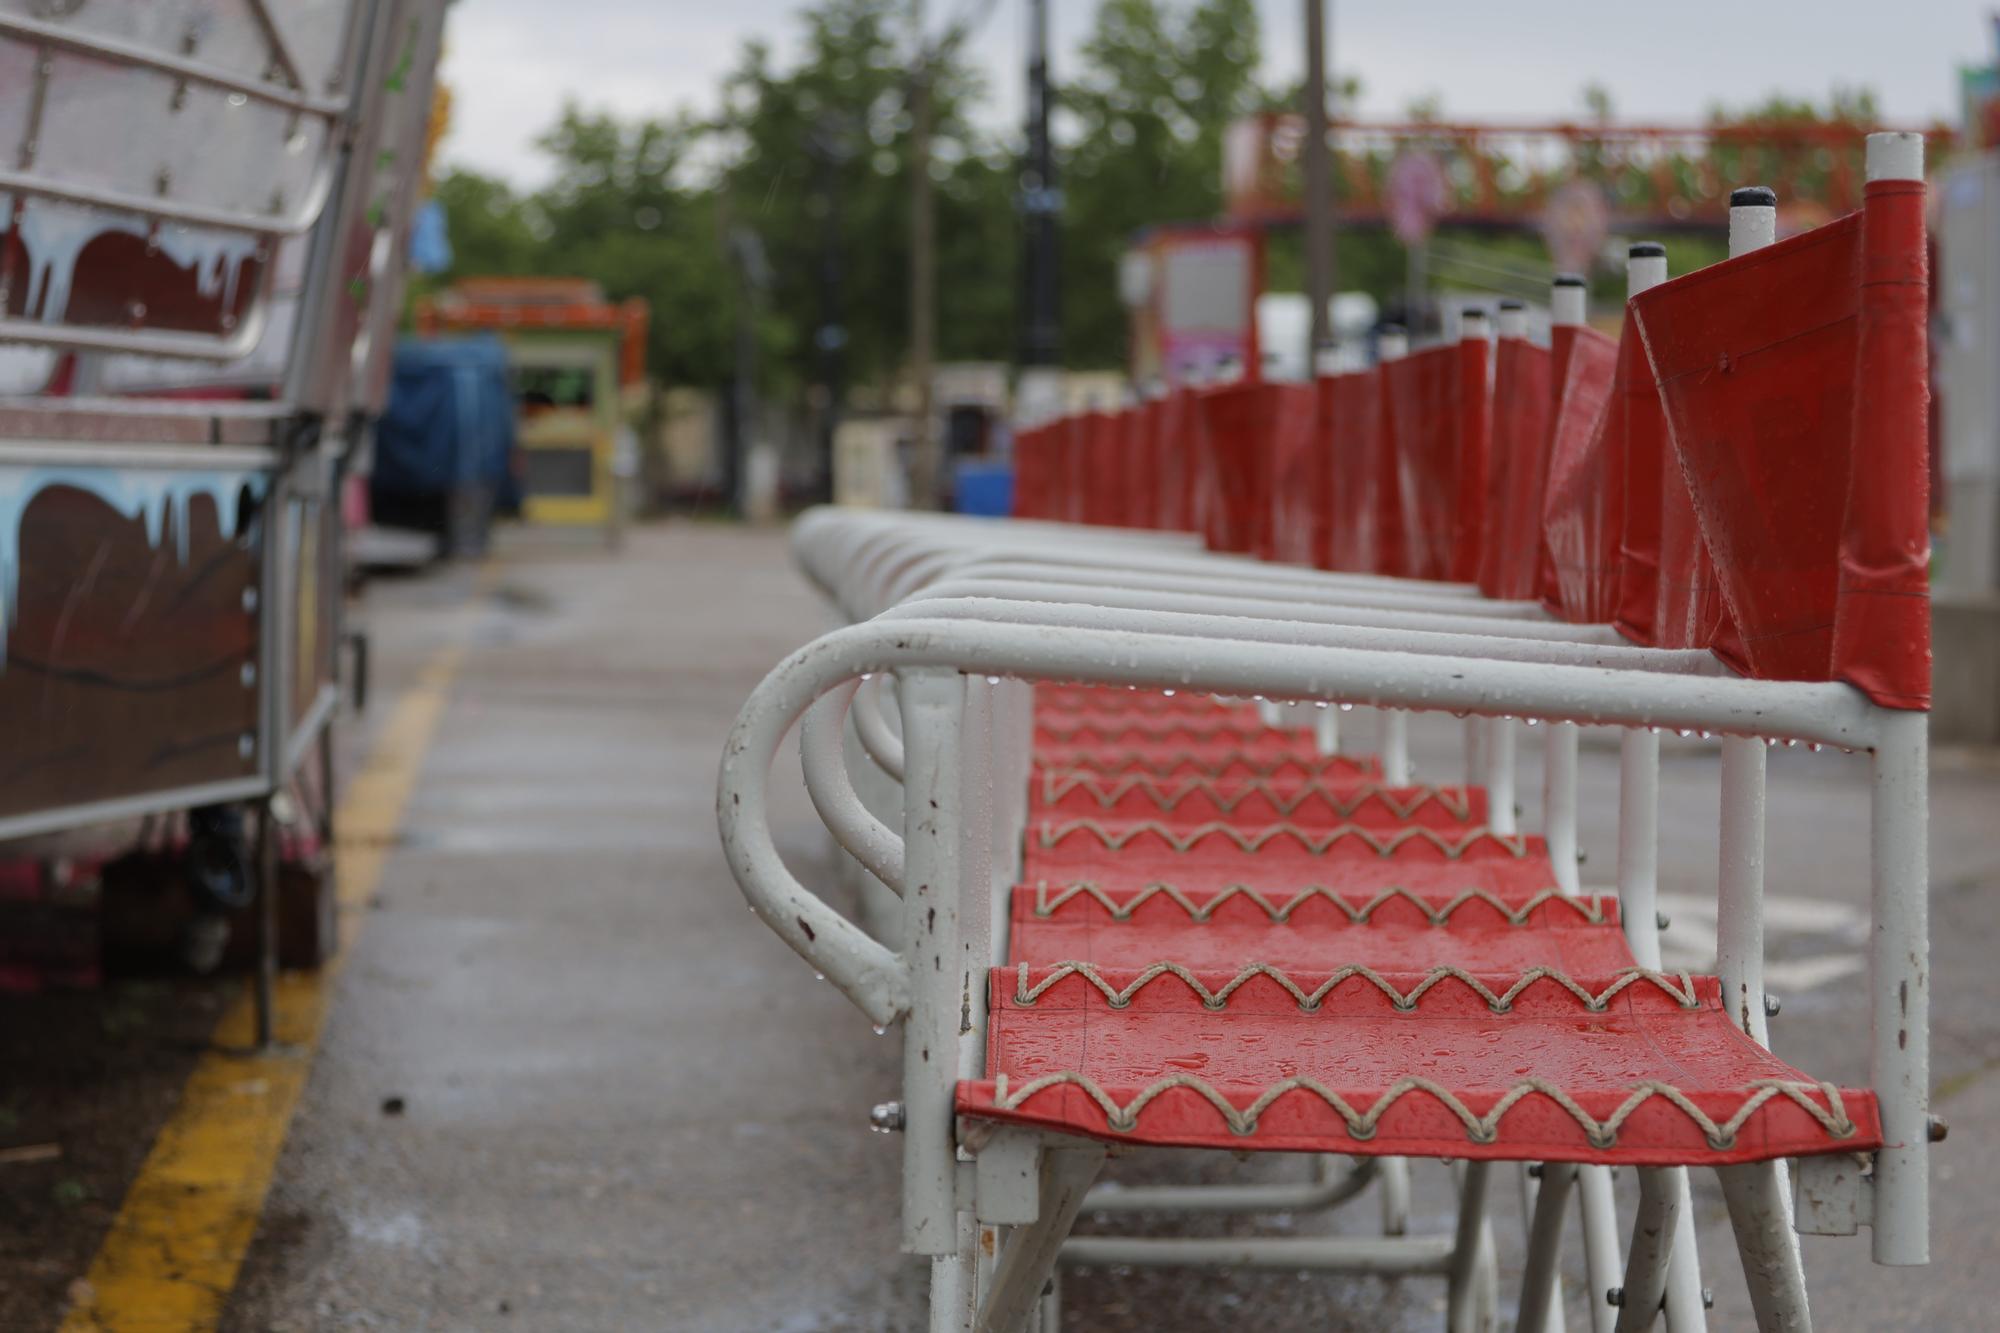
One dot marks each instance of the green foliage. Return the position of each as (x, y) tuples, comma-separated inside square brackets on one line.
[(1159, 85), (617, 212), (811, 157), (818, 167)]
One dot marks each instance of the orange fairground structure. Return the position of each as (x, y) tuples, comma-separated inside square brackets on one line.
[(579, 361)]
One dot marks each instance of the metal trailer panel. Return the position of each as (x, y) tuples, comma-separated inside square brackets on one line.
[(132, 615), (566, 452), (170, 572), (159, 152)]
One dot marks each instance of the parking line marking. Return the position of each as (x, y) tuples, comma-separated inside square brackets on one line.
[(172, 1254)]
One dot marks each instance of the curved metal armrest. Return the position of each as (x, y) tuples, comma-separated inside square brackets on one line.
[(875, 977), (865, 971), (1263, 629), (871, 724), (870, 841)]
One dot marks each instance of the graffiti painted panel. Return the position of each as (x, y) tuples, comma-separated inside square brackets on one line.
[(314, 572), (128, 619)]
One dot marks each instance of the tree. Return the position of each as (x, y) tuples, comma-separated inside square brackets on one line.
[(491, 227), (818, 157), (618, 211), (1159, 86)]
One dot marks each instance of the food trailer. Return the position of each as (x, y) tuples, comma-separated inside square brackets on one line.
[(576, 357), (170, 556)]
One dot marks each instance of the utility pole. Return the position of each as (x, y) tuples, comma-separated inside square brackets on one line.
[(923, 268), (746, 250), (832, 150), (1041, 209), (1319, 185)]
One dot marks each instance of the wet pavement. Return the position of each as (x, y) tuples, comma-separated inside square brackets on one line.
[(568, 1082)]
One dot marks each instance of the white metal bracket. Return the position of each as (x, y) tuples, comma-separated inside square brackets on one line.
[(1833, 1194), (1007, 1176)]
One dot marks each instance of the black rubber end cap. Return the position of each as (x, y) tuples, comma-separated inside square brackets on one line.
[(1647, 250), (1391, 328), (1571, 280), (1511, 304), (1753, 196)]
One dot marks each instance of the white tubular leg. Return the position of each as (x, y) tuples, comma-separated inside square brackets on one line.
[(954, 1282), (1461, 1305), (1326, 730), (1760, 1207), (1645, 1284), (1687, 1303), (1638, 905), (1541, 1277), (1761, 1217), (1900, 990), (1052, 1303), (1030, 1256), (933, 720), (1597, 1210), (1500, 816), (1559, 803), (1739, 931), (1395, 1174), (1395, 747), (1639, 843), (1475, 751)]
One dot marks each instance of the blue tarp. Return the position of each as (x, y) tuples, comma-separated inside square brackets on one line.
[(449, 422), (430, 239), (983, 488)]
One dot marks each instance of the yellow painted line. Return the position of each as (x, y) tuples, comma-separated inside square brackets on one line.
[(172, 1254)]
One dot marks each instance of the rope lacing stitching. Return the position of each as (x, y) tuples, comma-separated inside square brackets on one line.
[(1176, 729), (1052, 836), (1151, 705), (1136, 761), (1500, 1002), (1601, 1134), (1456, 803), (1590, 910)]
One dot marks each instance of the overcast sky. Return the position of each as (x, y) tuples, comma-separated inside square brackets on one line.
[(511, 63)]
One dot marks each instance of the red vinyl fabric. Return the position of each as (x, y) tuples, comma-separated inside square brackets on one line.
[(1882, 624), (1100, 451), (1511, 545), (1298, 515), (1300, 929), (1583, 506), (1352, 1070), (1033, 485), (1252, 432), (1475, 443), (1794, 384), (1287, 798), (1320, 478), (1391, 555), (1437, 429), (1073, 444), (1353, 441), (1197, 498), (1643, 424), (1224, 939), (1690, 612), (1147, 464)]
